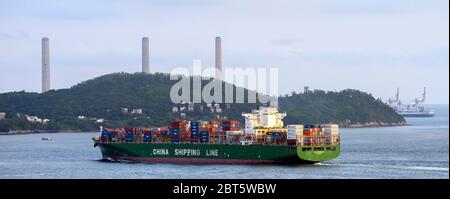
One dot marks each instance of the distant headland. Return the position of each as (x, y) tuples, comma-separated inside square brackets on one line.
[(141, 99)]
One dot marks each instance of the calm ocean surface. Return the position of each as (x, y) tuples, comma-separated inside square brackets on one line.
[(416, 151)]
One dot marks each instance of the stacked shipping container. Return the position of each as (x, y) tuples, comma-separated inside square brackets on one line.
[(226, 131), (331, 133), (230, 125), (295, 134)]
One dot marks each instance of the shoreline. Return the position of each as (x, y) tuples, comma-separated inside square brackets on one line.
[(373, 125), (355, 125)]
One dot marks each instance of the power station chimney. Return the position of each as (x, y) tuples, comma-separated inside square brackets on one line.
[(397, 95), (218, 58), (145, 56), (45, 65)]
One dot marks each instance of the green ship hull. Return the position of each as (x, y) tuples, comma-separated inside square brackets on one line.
[(188, 153)]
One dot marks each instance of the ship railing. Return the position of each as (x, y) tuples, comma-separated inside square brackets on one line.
[(319, 140), (224, 141)]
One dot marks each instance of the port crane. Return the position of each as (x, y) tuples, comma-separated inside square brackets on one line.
[(413, 109)]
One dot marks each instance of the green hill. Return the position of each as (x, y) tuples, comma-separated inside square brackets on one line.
[(105, 96)]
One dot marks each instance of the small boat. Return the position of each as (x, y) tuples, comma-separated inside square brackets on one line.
[(47, 138)]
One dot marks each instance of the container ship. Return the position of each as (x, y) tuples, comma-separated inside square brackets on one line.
[(264, 139)]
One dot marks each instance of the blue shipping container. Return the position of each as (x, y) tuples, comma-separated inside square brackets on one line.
[(105, 133), (147, 138)]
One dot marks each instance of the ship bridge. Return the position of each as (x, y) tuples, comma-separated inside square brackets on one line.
[(264, 117)]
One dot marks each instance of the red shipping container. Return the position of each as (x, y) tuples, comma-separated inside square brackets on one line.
[(104, 138), (147, 132), (307, 133), (230, 122), (179, 124), (292, 142)]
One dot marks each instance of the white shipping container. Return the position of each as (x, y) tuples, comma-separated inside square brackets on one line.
[(331, 126), (294, 131), (334, 127), (300, 139), (332, 137), (234, 133), (329, 131), (297, 126)]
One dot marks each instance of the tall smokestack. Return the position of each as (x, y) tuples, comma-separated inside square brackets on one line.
[(218, 58), (45, 65), (145, 56)]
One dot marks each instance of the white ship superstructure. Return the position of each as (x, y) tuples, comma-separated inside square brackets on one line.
[(264, 117)]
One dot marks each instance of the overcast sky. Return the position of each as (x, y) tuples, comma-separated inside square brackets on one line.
[(371, 45)]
